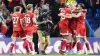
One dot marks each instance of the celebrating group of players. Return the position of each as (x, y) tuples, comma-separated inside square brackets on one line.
[(24, 27), (72, 28)]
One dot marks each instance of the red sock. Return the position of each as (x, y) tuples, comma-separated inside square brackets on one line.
[(27, 49), (74, 43), (25, 45), (63, 44), (87, 46), (67, 46), (11, 47), (79, 46), (70, 45), (30, 45)]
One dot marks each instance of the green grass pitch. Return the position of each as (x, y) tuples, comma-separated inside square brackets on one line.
[(46, 55)]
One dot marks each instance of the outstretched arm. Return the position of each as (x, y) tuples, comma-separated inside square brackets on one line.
[(76, 15)]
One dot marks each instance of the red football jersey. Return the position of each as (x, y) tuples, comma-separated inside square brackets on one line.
[(16, 17), (64, 22), (81, 19), (73, 23), (81, 29), (28, 19), (65, 11)]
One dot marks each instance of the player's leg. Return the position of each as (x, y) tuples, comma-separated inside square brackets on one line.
[(83, 33), (26, 45), (26, 42), (63, 46), (87, 44), (14, 37), (77, 40), (74, 37), (29, 38), (30, 43), (78, 45), (69, 43), (42, 41)]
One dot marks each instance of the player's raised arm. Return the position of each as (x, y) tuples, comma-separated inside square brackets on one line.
[(23, 2), (21, 20)]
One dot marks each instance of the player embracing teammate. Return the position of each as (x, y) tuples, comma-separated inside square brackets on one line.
[(80, 29), (29, 26), (63, 24), (23, 26), (73, 24)]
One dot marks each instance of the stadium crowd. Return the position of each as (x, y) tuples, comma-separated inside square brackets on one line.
[(50, 20)]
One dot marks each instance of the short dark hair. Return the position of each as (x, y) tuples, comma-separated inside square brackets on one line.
[(82, 5), (17, 8)]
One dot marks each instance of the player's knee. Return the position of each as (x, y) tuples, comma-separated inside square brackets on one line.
[(25, 43), (85, 39)]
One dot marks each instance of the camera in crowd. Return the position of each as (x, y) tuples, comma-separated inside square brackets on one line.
[(44, 11)]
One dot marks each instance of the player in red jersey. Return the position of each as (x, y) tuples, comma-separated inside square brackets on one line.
[(73, 24), (28, 25), (81, 29), (17, 28), (63, 25)]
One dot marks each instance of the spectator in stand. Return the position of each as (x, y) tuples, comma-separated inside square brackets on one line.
[(96, 4), (1, 2), (5, 14), (34, 2), (54, 14), (3, 27), (13, 3)]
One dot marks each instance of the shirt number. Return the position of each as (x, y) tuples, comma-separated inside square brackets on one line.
[(27, 20), (15, 20)]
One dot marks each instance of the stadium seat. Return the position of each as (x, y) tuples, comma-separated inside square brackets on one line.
[(89, 10), (91, 21), (94, 27), (98, 10), (97, 16), (97, 22), (88, 15)]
